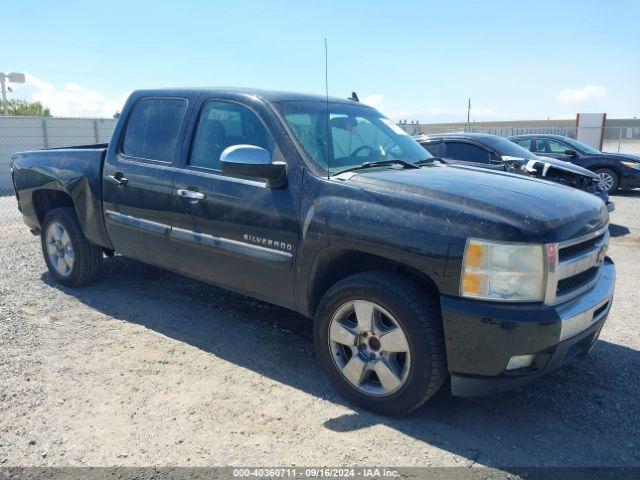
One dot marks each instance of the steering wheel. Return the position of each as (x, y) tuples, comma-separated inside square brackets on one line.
[(361, 148)]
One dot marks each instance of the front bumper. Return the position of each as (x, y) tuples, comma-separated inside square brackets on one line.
[(631, 180), (481, 337)]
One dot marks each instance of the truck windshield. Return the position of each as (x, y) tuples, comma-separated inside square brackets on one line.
[(356, 134)]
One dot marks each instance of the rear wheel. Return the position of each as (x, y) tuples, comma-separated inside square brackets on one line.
[(609, 180), (71, 258), (379, 342)]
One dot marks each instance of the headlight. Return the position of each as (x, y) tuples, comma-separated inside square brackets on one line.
[(634, 165), (503, 271)]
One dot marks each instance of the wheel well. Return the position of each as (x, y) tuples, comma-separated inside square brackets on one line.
[(339, 264), (46, 200), (606, 167)]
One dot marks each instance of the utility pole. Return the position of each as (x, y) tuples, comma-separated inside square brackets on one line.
[(468, 111)]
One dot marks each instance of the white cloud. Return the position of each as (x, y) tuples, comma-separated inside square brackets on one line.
[(73, 100), (375, 100), (579, 95)]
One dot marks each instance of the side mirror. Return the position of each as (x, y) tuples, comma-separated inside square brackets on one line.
[(570, 153), (252, 161), (496, 159)]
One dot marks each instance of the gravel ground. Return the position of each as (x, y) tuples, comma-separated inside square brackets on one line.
[(150, 368)]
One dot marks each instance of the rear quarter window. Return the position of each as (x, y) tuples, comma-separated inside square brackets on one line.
[(152, 128)]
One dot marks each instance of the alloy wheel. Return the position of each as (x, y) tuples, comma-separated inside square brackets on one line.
[(60, 249), (369, 348), (606, 181)]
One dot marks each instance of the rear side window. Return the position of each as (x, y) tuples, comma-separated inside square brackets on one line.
[(467, 152), (153, 127)]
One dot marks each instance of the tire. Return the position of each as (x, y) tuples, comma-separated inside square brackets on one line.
[(397, 303), (71, 258), (610, 178)]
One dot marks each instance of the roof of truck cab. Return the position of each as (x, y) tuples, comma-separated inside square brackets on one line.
[(266, 95)]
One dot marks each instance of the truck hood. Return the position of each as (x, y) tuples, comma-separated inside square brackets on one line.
[(540, 210)]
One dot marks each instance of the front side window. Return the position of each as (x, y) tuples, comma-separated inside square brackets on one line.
[(544, 145), (222, 125), (523, 142), (581, 147), (507, 147), (467, 152), (153, 127), (347, 135)]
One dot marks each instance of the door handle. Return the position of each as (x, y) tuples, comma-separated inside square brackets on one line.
[(191, 194), (118, 179)]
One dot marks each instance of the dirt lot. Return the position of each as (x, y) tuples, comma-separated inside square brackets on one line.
[(150, 368)]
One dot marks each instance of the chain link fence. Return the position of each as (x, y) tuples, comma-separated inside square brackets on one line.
[(621, 140), (32, 133), (614, 139)]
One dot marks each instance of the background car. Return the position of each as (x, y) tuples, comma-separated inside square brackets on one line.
[(497, 153), (616, 170)]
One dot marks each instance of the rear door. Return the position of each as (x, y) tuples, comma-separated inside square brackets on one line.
[(472, 154), (234, 232), (137, 179)]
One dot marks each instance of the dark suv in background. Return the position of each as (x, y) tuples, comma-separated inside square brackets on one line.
[(497, 153), (616, 170)]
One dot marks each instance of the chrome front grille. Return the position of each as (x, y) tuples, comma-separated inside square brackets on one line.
[(573, 266), (577, 248), (568, 284)]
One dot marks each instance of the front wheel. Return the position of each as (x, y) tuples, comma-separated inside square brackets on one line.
[(609, 180), (379, 342), (71, 258)]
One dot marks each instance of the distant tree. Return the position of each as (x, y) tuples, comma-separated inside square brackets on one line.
[(116, 115), (22, 108)]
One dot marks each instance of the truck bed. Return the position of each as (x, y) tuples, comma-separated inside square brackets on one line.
[(72, 171)]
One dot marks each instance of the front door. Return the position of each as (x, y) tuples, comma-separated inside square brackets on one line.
[(137, 180), (235, 232), (546, 147)]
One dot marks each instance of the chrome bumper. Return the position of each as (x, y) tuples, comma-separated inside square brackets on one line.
[(580, 313)]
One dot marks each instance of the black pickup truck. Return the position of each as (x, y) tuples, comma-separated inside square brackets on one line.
[(413, 271)]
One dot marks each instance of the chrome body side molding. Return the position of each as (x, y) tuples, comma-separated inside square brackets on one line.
[(138, 223), (232, 246)]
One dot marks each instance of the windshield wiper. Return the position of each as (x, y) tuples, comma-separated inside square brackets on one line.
[(379, 163)]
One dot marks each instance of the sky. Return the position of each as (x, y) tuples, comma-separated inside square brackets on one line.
[(414, 60)]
